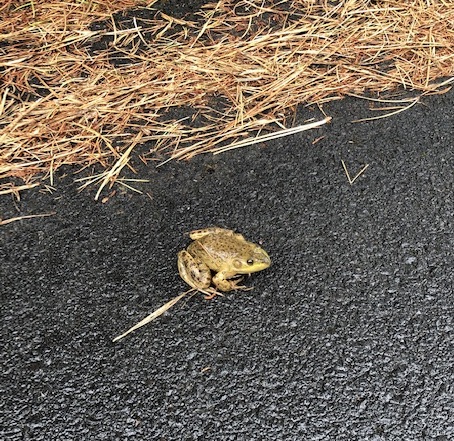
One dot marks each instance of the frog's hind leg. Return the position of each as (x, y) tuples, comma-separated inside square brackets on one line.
[(198, 234), (196, 274)]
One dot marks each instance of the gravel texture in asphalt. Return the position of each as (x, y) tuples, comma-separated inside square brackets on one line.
[(347, 336)]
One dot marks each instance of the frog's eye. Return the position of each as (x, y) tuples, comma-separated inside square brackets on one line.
[(250, 262)]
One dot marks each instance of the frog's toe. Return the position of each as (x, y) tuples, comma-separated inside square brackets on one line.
[(211, 293), (235, 285)]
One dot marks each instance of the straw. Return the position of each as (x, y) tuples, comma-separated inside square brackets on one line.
[(85, 84), (210, 293), (29, 216), (154, 315)]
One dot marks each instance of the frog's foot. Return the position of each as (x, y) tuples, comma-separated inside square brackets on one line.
[(196, 274), (211, 293), (198, 234), (236, 287), (225, 284)]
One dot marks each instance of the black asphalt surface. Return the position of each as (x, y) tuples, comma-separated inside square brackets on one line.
[(347, 336)]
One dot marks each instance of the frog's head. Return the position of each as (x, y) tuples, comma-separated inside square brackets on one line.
[(256, 259)]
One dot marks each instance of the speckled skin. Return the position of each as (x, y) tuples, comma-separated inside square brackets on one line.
[(222, 251)]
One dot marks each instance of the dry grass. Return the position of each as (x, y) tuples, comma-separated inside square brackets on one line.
[(153, 316), (30, 216), (82, 85)]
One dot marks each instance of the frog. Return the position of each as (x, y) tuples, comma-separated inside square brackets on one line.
[(221, 252)]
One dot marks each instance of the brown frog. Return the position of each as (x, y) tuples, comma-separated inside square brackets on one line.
[(223, 252)]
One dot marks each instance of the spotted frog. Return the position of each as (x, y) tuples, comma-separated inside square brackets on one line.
[(222, 252)]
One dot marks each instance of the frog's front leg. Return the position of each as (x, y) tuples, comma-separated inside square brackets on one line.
[(222, 282), (195, 273)]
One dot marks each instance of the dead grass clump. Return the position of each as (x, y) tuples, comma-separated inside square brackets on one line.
[(81, 87)]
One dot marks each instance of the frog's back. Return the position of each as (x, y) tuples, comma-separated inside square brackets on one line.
[(216, 250)]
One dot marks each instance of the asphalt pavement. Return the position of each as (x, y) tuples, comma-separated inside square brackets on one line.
[(347, 336)]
